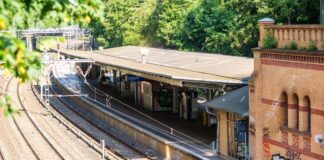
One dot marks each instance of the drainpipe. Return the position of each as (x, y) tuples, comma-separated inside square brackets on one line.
[(217, 132)]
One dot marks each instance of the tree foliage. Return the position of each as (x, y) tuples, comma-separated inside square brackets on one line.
[(22, 14), (217, 26)]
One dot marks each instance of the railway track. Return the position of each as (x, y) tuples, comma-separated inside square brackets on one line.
[(36, 141), (114, 145)]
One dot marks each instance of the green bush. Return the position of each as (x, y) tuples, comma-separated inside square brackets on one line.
[(61, 39), (303, 48), (322, 47), (291, 46), (102, 42), (311, 46), (269, 41)]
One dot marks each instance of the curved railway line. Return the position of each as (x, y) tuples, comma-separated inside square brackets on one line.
[(23, 131)]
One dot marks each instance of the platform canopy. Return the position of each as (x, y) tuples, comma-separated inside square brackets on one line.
[(236, 101), (190, 67)]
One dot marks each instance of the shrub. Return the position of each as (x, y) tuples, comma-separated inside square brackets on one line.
[(291, 46), (322, 47), (269, 41), (286, 47), (303, 48), (311, 46), (102, 42)]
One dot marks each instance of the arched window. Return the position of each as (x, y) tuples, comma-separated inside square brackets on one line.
[(293, 114), (304, 115), (283, 109)]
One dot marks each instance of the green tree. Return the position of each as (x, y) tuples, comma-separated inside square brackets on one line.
[(291, 11), (206, 27), (222, 26), (124, 22), (170, 17), (17, 14)]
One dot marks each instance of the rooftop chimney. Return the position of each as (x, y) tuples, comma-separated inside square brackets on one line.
[(144, 52)]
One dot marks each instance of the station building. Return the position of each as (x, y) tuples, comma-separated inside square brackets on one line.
[(286, 95)]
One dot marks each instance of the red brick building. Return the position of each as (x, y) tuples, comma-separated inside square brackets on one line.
[(286, 92)]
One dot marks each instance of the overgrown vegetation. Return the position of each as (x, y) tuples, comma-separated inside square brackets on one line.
[(269, 41), (291, 46), (217, 26), (47, 42), (311, 46)]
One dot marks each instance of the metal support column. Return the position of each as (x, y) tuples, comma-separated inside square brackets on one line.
[(175, 100), (209, 97), (115, 78)]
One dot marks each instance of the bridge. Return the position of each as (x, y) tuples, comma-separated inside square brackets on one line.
[(32, 35)]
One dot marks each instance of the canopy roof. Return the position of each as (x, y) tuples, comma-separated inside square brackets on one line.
[(173, 64), (236, 101)]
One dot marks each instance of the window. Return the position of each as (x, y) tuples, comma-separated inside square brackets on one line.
[(284, 109), (305, 115)]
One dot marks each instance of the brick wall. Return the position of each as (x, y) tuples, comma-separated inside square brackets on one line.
[(287, 104)]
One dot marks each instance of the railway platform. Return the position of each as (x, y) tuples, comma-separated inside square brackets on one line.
[(193, 127)]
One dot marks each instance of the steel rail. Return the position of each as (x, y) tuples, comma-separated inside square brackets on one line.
[(23, 105), (16, 124)]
